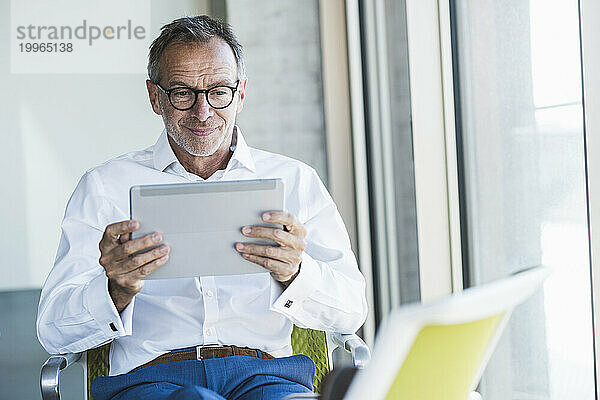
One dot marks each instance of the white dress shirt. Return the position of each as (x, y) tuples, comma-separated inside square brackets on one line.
[(76, 312)]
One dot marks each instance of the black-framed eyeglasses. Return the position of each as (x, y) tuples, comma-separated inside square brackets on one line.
[(185, 98)]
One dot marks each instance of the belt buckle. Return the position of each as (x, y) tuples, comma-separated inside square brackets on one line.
[(200, 347)]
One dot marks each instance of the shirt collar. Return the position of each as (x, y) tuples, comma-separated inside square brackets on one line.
[(242, 152), (163, 153), (164, 156)]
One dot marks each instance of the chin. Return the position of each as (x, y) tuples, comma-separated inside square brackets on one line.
[(198, 147), (196, 153), (205, 150)]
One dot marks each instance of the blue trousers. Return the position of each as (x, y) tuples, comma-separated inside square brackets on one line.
[(232, 378)]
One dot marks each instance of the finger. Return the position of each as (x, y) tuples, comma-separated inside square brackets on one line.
[(141, 259), (150, 267), (124, 238), (288, 220), (117, 269), (133, 246), (112, 233), (283, 254), (281, 271), (287, 239)]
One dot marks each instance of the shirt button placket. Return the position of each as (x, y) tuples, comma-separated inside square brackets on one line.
[(211, 309)]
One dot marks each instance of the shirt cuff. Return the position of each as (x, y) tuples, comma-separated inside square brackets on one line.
[(290, 300), (101, 307)]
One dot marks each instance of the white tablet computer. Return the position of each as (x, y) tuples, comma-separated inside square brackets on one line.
[(201, 222)]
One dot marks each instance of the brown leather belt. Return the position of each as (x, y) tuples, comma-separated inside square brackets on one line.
[(201, 353)]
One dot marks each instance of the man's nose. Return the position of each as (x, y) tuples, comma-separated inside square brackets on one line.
[(202, 109)]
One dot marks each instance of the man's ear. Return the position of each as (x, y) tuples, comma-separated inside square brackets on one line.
[(242, 95), (153, 96)]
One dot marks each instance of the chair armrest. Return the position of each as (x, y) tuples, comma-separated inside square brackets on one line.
[(301, 396), (361, 355), (50, 373)]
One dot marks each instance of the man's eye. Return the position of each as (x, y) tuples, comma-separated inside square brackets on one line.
[(218, 92), (181, 92)]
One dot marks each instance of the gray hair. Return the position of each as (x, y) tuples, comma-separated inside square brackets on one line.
[(199, 29)]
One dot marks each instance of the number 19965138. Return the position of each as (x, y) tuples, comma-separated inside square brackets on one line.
[(46, 47)]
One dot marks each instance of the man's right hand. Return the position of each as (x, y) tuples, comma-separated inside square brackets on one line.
[(124, 270)]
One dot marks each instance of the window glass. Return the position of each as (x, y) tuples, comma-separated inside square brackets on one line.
[(520, 126)]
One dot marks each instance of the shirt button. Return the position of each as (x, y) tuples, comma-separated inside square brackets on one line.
[(209, 293), (208, 331)]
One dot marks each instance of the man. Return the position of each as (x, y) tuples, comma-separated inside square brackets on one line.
[(96, 294)]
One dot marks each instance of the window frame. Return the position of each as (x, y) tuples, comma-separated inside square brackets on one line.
[(434, 146), (590, 61), (345, 134)]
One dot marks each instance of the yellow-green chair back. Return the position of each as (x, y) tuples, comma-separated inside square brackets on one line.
[(431, 371), (438, 350), (309, 342)]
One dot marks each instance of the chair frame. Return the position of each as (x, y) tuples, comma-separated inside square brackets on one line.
[(55, 364)]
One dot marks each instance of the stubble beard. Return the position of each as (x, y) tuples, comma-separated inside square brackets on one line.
[(201, 147), (196, 146)]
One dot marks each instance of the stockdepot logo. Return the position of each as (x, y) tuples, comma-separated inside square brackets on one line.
[(74, 36), (85, 31)]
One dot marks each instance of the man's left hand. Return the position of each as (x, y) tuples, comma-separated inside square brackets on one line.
[(283, 261)]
